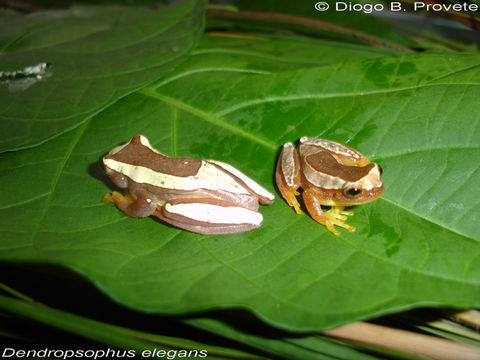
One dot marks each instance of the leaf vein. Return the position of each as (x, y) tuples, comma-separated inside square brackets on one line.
[(245, 104)]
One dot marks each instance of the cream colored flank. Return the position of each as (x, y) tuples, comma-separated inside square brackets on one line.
[(288, 164), (332, 146), (208, 177), (256, 188), (216, 214)]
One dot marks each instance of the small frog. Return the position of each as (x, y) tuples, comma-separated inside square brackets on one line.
[(330, 174), (202, 196)]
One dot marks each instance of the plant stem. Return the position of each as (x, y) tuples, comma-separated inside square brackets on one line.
[(405, 341)]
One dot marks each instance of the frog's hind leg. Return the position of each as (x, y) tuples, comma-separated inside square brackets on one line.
[(209, 217), (287, 176), (139, 206), (327, 218)]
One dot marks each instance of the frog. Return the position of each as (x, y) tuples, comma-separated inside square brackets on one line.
[(207, 197), (330, 174)]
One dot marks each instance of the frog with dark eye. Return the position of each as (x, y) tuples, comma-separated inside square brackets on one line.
[(330, 174)]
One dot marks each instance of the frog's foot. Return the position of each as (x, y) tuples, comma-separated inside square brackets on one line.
[(336, 216), (142, 206), (339, 213), (330, 219), (121, 201)]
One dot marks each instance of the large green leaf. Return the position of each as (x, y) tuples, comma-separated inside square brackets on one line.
[(95, 55), (419, 244)]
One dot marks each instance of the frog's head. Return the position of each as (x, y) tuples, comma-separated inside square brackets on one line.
[(359, 185)]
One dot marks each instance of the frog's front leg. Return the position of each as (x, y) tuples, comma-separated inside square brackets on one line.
[(139, 204), (287, 175), (327, 218), (209, 216)]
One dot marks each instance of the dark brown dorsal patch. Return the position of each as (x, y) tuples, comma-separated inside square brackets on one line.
[(324, 162), (137, 154)]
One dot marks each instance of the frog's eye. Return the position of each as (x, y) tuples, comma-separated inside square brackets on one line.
[(352, 192)]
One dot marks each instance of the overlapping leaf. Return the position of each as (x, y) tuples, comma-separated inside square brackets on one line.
[(419, 244), (330, 21), (94, 56)]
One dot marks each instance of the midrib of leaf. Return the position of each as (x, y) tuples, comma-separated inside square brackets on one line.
[(304, 96), (252, 53), (217, 69), (328, 96), (209, 118), (80, 130)]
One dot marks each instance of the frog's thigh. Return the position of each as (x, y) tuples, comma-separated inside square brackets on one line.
[(137, 205), (287, 176), (206, 217)]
